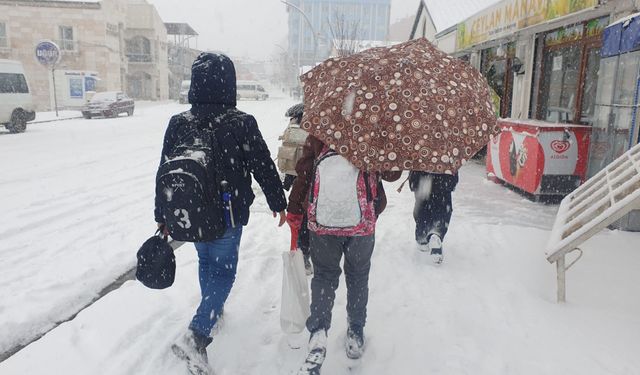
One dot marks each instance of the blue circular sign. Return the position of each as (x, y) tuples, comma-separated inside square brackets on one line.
[(48, 53)]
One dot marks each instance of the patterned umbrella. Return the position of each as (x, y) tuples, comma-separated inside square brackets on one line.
[(405, 107)]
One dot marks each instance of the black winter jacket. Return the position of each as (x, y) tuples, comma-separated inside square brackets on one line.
[(245, 153)]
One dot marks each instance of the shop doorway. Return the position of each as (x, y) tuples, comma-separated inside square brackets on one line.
[(139, 86)]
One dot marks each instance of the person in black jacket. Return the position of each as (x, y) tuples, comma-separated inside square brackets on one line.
[(244, 153), (433, 209)]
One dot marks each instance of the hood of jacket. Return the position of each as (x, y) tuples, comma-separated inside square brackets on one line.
[(213, 80)]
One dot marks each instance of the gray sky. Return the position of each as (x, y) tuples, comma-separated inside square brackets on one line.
[(249, 28)]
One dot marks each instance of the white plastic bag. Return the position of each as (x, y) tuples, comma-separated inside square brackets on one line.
[(295, 293)]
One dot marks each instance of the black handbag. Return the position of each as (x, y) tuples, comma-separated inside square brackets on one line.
[(156, 263)]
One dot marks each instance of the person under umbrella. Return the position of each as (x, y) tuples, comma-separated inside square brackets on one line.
[(342, 205), (405, 107)]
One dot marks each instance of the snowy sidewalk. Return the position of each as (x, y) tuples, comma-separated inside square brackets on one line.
[(79, 198), (489, 309)]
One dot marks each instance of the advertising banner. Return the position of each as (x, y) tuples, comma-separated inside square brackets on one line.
[(75, 88), (509, 16)]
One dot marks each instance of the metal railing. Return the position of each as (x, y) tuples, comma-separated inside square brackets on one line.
[(599, 202)]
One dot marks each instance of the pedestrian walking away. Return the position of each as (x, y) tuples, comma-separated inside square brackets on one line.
[(203, 191), (289, 153), (371, 114), (432, 211), (342, 205)]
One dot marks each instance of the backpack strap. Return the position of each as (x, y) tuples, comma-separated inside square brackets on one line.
[(365, 175)]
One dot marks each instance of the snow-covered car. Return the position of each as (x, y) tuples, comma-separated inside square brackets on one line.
[(108, 104), (16, 103), (184, 92)]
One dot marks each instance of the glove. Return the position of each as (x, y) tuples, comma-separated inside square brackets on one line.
[(294, 221)]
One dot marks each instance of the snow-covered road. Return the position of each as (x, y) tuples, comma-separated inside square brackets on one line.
[(76, 203), (76, 198)]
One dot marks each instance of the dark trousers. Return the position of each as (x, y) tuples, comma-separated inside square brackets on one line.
[(433, 206), (303, 236), (326, 253)]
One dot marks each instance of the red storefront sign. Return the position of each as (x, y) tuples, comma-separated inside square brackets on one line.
[(538, 157)]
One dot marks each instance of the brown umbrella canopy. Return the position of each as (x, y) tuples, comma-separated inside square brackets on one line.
[(405, 107)]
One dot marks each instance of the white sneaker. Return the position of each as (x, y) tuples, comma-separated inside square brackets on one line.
[(317, 354), (192, 351), (435, 248)]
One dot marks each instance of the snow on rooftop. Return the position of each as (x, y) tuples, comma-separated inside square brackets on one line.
[(446, 13)]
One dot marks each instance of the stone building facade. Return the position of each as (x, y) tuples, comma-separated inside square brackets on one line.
[(146, 49), (92, 36)]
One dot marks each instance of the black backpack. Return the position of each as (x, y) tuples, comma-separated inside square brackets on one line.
[(189, 186)]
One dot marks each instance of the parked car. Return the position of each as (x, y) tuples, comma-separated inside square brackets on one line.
[(251, 90), (184, 92), (16, 103), (108, 104)]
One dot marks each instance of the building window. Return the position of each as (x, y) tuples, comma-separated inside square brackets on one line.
[(66, 38), (570, 63), (4, 39), (139, 49)]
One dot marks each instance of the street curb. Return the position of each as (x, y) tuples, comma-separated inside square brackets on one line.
[(53, 120), (128, 275)]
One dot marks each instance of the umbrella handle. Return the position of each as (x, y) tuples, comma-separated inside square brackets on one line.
[(294, 239), (399, 190)]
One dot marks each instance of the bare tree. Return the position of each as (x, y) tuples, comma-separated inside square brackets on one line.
[(345, 34)]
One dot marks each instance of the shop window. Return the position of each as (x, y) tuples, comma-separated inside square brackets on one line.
[(89, 84), (562, 69), (590, 86), (570, 59), (496, 67), (75, 88), (4, 39), (139, 49), (65, 33)]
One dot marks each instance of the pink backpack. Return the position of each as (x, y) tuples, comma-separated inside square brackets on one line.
[(342, 198)]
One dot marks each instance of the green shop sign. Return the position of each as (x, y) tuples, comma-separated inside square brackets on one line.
[(509, 16)]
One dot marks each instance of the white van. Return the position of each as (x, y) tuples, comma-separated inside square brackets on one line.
[(16, 104), (251, 90)]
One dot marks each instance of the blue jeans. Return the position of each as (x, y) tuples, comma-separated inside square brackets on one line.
[(218, 261)]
